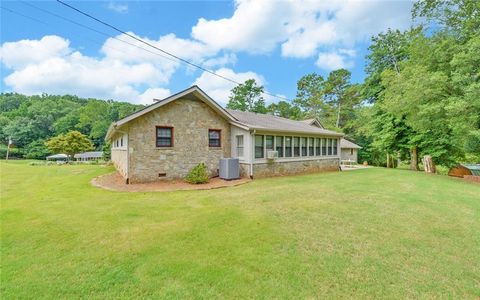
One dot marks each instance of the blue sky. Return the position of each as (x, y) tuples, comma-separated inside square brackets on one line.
[(274, 42)]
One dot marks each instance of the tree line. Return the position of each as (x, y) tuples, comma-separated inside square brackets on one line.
[(31, 121), (421, 96)]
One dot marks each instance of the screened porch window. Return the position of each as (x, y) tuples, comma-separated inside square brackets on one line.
[(317, 147), (288, 146), (324, 147), (304, 146), (279, 145), (311, 146), (296, 146)]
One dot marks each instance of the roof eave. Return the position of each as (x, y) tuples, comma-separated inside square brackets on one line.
[(298, 131)]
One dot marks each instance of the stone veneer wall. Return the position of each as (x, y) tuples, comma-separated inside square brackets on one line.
[(294, 167), (244, 170), (191, 120), (119, 160)]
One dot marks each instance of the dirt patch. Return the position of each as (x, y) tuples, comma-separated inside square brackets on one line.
[(115, 182)]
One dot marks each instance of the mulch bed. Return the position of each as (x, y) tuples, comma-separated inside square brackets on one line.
[(115, 182)]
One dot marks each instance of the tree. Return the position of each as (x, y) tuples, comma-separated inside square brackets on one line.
[(285, 109), (310, 95), (247, 97), (459, 17), (70, 143), (336, 91)]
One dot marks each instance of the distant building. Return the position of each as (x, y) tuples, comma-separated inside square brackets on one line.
[(58, 157), (88, 156)]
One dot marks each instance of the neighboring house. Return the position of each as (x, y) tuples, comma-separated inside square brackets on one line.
[(349, 150), (88, 156), (171, 136)]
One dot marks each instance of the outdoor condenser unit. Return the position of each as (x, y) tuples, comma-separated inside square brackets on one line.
[(229, 168)]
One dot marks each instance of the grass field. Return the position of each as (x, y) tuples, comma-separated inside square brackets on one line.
[(372, 233)]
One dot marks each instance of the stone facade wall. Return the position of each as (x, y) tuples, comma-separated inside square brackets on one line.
[(244, 170), (346, 154), (295, 167), (191, 119), (120, 161)]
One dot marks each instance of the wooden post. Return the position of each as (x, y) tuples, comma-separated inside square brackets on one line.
[(388, 160), (428, 164)]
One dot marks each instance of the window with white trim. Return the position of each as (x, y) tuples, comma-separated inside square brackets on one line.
[(239, 145)]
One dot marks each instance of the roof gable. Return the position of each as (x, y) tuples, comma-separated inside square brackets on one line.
[(313, 122), (193, 91)]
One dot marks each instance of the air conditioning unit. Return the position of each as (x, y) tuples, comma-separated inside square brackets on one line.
[(229, 168), (272, 154)]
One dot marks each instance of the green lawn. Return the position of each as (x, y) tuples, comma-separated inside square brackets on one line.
[(372, 233)]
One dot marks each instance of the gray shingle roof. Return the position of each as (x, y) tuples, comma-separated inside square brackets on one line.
[(348, 145), (92, 154), (274, 123)]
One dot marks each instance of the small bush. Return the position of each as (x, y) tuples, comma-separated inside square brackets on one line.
[(198, 174)]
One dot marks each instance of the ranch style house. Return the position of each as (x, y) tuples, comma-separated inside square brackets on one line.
[(167, 139)]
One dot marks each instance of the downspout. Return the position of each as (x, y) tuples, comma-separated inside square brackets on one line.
[(252, 149)]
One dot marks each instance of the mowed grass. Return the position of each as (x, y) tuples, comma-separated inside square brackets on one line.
[(374, 233)]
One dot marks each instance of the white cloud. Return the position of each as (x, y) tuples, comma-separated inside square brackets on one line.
[(153, 93), (54, 68), (334, 60), (219, 89), (301, 28), (22, 53), (117, 7), (125, 72)]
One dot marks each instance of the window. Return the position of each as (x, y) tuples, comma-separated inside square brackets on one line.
[(311, 148), (279, 145), (304, 146), (259, 146), (164, 136), (269, 142), (240, 145), (121, 142), (296, 146), (324, 146), (317, 147), (335, 147), (214, 138), (288, 146), (329, 146), (351, 151)]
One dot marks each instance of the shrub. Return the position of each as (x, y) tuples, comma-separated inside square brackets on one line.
[(198, 174)]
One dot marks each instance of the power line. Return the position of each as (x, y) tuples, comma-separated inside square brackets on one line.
[(86, 38), (94, 30), (159, 49), (25, 16)]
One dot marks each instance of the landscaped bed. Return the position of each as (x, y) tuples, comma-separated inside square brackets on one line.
[(373, 233), (115, 182)]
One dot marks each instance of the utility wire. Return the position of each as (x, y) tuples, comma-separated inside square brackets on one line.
[(95, 30), (159, 49), (86, 38), (25, 16)]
